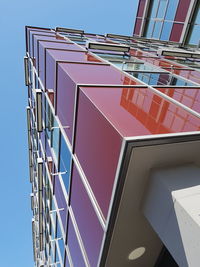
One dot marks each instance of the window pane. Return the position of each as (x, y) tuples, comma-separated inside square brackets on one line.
[(166, 30), (161, 9), (195, 36), (197, 20), (149, 28), (154, 8), (171, 9), (157, 27), (55, 138), (65, 162)]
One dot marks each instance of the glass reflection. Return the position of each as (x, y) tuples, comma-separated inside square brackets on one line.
[(65, 162), (157, 114)]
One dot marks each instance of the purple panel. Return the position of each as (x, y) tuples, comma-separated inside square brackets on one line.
[(138, 23), (42, 46), (31, 32), (67, 264), (141, 8), (65, 95), (74, 247), (182, 10), (176, 32), (86, 218), (71, 74), (56, 55), (97, 147), (61, 201)]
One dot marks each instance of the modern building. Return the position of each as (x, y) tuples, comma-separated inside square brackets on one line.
[(114, 143), (169, 20)]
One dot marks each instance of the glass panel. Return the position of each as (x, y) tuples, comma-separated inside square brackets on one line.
[(171, 9), (150, 29), (55, 138), (195, 36), (154, 9), (60, 241), (197, 19), (157, 28), (166, 30), (65, 162), (161, 9)]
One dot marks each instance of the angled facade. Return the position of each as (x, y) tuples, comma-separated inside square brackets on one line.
[(109, 119)]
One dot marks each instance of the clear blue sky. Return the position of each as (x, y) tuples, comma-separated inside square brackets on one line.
[(97, 16)]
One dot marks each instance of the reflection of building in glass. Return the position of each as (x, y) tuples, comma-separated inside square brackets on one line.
[(169, 20), (103, 112)]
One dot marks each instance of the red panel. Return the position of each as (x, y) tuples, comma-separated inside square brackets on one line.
[(176, 32), (138, 23), (182, 10), (141, 8)]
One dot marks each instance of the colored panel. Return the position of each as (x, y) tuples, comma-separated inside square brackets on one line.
[(138, 23), (61, 201), (71, 74), (135, 102), (74, 248), (176, 32), (65, 162), (67, 264), (42, 66), (141, 8), (55, 55), (89, 226), (182, 10), (97, 148)]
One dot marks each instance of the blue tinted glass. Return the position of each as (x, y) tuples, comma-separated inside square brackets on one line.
[(171, 9), (157, 27), (154, 8), (161, 9), (195, 36), (55, 138), (57, 257), (149, 29), (65, 162), (153, 79), (166, 30), (197, 20)]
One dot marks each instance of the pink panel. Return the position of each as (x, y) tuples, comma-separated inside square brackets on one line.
[(89, 226), (176, 32), (182, 10), (141, 8), (97, 147), (137, 26)]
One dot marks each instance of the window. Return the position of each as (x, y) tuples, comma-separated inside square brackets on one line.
[(65, 162), (55, 138), (194, 32)]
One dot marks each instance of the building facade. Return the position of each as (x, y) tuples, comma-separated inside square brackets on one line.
[(169, 20), (103, 113)]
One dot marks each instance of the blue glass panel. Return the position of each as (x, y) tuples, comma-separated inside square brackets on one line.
[(154, 79), (166, 30), (150, 29), (154, 8), (55, 138), (195, 36), (171, 9), (65, 162), (197, 20), (161, 9), (157, 27), (60, 241)]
